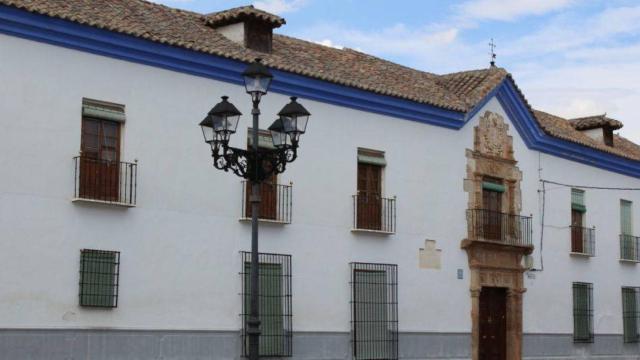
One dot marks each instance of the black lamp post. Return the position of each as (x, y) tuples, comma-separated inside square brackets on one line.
[(254, 164)]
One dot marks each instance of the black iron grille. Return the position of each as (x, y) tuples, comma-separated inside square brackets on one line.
[(495, 226), (631, 314), (372, 212), (274, 303), (583, 240), (374, 311), (582, 312), (99, 276), (276, 204), (103, 180), (629, 247)]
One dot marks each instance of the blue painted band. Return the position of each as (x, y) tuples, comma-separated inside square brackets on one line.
[(108, 43), (68, 34), (535, 138)]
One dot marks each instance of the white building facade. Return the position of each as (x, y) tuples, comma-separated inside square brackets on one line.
[(477, 233)]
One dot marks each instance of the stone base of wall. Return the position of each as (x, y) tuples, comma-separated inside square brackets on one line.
[(225, 345)]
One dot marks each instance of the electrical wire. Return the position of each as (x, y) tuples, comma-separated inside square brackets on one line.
[(544, 193), (588, 186)]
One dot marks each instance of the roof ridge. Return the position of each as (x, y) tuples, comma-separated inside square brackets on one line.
[(224, 17), (588, 117)]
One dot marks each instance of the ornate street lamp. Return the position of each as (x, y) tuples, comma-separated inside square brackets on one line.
[(255, 165)]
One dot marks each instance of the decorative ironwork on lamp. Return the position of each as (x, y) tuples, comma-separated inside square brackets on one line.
[(221, 123), (254, 164)]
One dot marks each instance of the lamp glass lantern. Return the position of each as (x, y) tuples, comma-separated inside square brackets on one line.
[(221, 122), (278, 136), (294, 118), (257, 79)]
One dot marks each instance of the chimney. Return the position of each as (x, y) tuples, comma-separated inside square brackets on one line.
[(598, 127), (246, 25)]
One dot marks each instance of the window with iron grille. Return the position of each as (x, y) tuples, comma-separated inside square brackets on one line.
[(631, 314), (274, 272), (583, 312), (99, 272), (374, 311)]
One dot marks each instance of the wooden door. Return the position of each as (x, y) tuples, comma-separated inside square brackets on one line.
[(577, 236), (492, 216), (369, 199), (269, 196), (100, 160), (493, 324)]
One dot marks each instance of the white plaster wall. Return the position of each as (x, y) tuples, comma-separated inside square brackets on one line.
[(548, 300), (180, 246)]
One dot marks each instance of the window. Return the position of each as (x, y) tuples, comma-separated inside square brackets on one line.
[(274, 303), (631, 313), (582, 238), (371, 210), (99, 271), (100, 175), (269, 188), (628, 242), (374, 311), (492, 219), (582, 312)]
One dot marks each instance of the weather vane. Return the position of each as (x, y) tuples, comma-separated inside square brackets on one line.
[(492, 47)]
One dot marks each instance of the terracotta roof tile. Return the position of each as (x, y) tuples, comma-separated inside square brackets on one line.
[(564, 129), (241, 13), (458, 91), (596, 121), (191, 30)]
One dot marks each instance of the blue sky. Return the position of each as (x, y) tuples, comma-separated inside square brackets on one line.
[(570, 57)]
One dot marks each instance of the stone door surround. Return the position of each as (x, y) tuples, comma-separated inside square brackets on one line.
[(493, 264)]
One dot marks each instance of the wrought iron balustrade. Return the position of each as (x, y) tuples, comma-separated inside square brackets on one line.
[(510, 229), (105, 180), (629, 247), (373, 212), (276, 202), (583, 240)]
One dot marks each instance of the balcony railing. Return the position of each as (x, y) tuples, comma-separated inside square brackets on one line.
[(629, 247), (494, 226), (583, 240), (276, 204), (374, 213), (105, 181)]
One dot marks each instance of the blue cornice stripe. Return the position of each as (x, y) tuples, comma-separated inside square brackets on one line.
[(108, 43), (68, 34), (535, 138)]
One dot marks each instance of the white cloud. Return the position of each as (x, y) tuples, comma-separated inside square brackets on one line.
[(329, 43), (564, 35), (508, 10), (416, 46), (569, 65), (279, 6)]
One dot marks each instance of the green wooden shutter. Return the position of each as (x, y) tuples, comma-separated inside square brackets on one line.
[(577, 200), (270, 307), (626, 222), (371, 315), (582, 312), (630, 307), (491, 186), (97, 278), (627, 244), (103, 110)]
